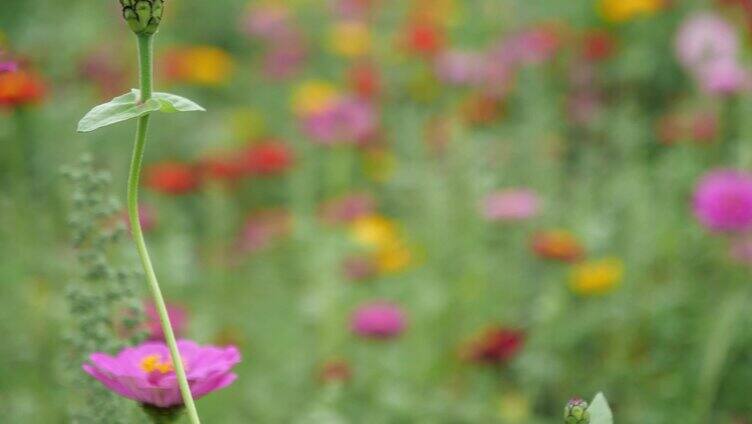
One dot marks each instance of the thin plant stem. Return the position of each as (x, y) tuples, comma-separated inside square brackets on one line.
[(145, 43)]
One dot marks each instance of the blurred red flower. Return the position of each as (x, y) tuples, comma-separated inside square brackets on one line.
[(172, 178), (495, 345), (598, 44), (364, 80), (333, 371), (424, 38), (267, 158)]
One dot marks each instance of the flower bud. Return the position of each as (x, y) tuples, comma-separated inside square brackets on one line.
[(143, 16), (576, 412)]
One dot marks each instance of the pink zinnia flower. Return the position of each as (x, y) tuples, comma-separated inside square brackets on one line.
[(178, 318), (380, 320), (514, 204), (723, 200), (349, 120), (145, 373)]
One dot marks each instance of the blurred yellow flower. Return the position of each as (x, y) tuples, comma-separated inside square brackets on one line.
[(204, 65), (442, 12), (382, 236), (624, 10), (373, 231), (596, 277), (313, 96), (350, 39), (514, 408)]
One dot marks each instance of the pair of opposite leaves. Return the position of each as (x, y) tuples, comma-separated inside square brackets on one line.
[(128, 106)]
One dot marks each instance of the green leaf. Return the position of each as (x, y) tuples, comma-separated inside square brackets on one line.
[(600, 412), (172, 103), (119, 109), (127, 106)]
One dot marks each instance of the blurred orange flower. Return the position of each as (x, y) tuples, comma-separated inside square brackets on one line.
[(19, 88), (560, 245), (202, 65), (382, 236)]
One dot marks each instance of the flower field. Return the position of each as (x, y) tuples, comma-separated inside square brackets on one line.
[(376, 211)]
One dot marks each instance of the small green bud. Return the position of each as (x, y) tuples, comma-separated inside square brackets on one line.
[(143, 16), (576, 412)]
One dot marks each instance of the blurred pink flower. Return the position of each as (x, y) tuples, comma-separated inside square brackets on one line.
[(263, 228), (348, 208), (708, 46), (379, 320), (529, 47), (705, 38), (723, 200), (349, 120), (284, 59), (267, 22), (145, 373), (147, 216), (724, 77), (513, 204), (458, 67), (178, 319)]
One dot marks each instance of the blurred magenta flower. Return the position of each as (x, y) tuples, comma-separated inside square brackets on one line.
[(514, 204), (178, 318), (145, 373), (348, 120), (7, 65), (724, 77), (379, 320), (723, 200)]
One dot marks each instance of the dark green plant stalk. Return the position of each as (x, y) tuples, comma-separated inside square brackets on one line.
[(145, 54)]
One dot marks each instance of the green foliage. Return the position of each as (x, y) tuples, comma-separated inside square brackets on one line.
[(105, 309), (600, 412)]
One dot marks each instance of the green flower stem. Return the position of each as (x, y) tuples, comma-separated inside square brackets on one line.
[(145, 71)]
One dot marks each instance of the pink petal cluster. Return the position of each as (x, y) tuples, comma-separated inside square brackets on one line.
[(349, 120), (285, 47), (7, 65), (178, 319), (380, 320), (708, 47), (723, 200), (515, 204), (457, 67), (132, 373)]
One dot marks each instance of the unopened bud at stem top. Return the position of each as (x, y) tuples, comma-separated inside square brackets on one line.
[(576, 412), (143, 16)]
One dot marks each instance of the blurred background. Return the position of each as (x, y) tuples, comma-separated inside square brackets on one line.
[(418, 211)]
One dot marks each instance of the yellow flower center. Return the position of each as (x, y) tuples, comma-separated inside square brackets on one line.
[(154, 363)]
